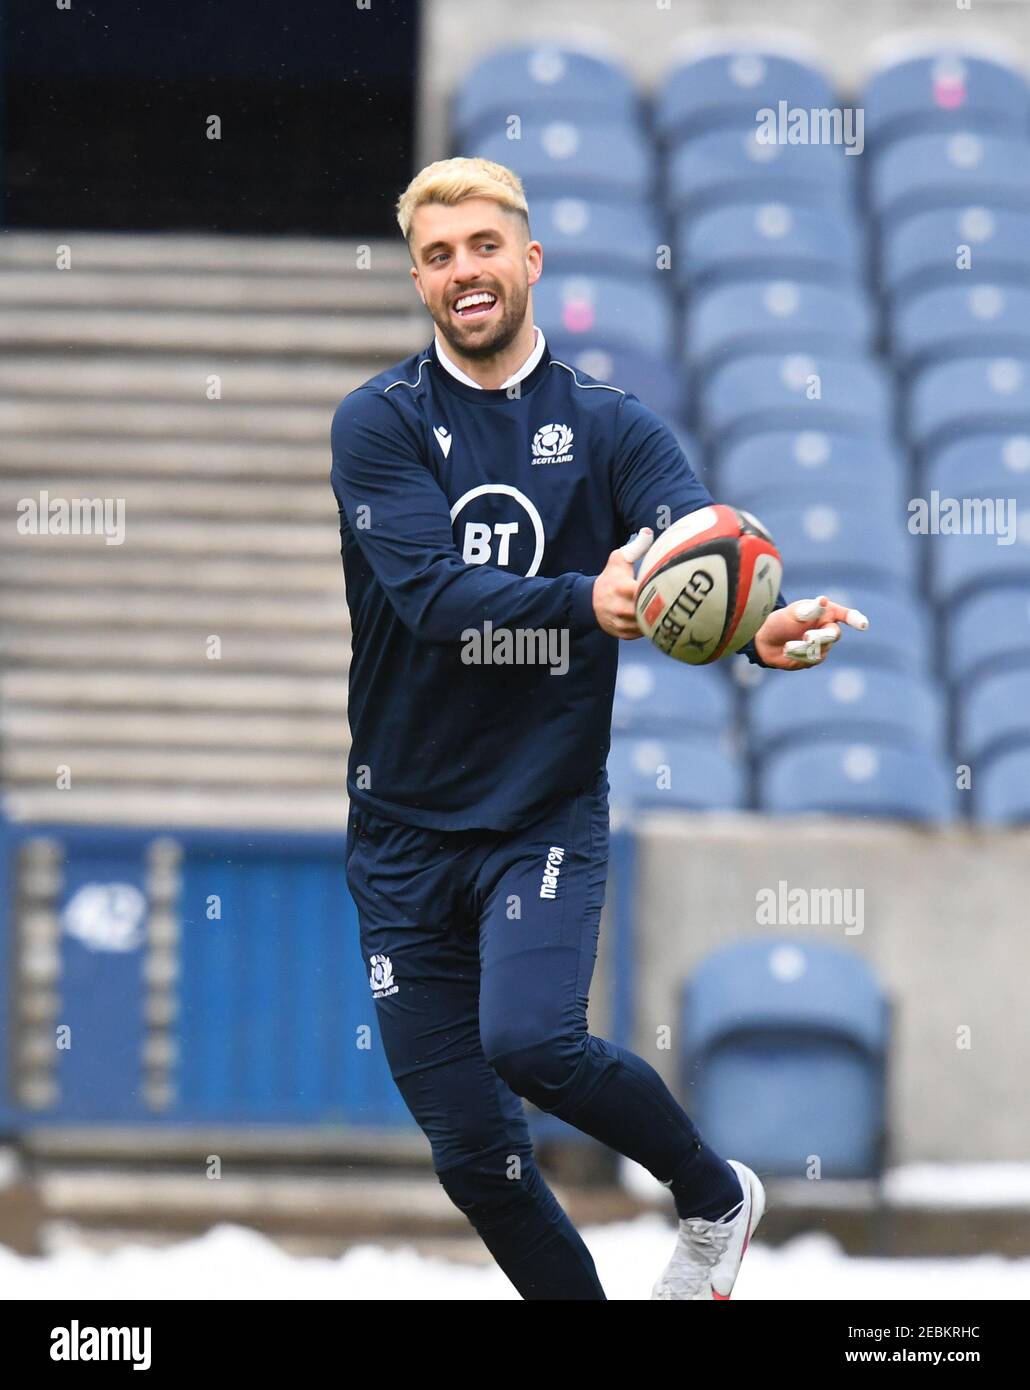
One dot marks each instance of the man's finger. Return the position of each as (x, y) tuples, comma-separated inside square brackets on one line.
[(809, 652), (854, 618), (823, 635), (639, 546), (807, 610)]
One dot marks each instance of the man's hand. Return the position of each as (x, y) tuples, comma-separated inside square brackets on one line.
[(801, 634), (615, 588)]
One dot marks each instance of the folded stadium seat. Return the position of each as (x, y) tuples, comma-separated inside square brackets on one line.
[(752, 241), (944, 91), (961, 564), (563, 158), (926, 250), (785, 1046), (960, 320), (993, 716), (844, 777), (728, 88), (950, 400), (859, 546), (617, 313), (657, 381), (795, 465), (796, 391), (934, 171), (775, 316), (673, 773), (734, 166), (564, 82), (880, 706), (979, 465), (988, 631), (583, 237), (655, 695), (1001, 794)]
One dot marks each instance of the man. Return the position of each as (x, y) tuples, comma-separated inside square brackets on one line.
[(484, 489)]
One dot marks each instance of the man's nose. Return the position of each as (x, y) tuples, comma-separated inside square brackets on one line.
[(466, 266)]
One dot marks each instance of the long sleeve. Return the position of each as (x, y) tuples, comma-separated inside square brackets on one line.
[(400, 520), (653, 482)]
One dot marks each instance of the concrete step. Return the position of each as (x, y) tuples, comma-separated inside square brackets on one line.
[(173, 729), (177, 458), (114, 569), (233, 769), (197, 538), (210, 690), (53, 377), (164, 251), (367, 293), (389, 337), (307, 424), (145, 649), (242, 614), (312, 809), (301, 499)]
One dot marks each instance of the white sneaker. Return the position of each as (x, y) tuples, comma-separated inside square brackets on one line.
[(707, 1257)]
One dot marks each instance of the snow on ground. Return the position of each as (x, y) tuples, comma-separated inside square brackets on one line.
[(230, 1262)]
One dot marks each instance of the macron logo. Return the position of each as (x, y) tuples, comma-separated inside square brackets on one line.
[(443, 438), (549, 883)]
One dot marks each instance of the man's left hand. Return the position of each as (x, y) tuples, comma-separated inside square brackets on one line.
[(801, 634)]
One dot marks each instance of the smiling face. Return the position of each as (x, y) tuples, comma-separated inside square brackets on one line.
[(474, 265)]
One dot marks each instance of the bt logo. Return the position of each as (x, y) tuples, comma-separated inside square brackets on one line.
[(501, 526)]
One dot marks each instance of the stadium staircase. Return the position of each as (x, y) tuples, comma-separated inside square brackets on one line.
[(231, 532)]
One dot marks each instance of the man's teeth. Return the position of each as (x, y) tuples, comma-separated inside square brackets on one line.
[(469, 301)]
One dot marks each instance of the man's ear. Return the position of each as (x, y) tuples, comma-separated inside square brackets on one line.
[(418, 283)]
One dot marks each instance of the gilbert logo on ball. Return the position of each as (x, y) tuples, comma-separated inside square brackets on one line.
[(708, 584)]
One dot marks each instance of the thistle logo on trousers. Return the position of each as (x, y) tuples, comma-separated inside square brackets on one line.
[(549, 882), (381, 977)]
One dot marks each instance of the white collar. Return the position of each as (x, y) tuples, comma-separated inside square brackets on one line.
[(524, 371)]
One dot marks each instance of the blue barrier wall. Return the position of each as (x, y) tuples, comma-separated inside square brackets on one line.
[(166, 977)]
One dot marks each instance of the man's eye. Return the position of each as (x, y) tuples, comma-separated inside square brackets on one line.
[(488, 246)]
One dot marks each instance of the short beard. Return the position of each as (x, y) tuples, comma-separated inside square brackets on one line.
[(504, 334)]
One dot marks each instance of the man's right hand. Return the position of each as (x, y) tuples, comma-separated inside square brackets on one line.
[(615, 589)]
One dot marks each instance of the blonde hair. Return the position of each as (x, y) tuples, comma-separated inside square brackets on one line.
[(451, 181)]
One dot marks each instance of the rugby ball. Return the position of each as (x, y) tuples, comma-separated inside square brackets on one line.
[(707, 584)]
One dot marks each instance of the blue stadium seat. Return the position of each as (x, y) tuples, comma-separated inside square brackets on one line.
[(847, 778), (879, 706), (932, 171), (1001, 793), (961, 564), (968, 396), (853, 470), (924, 250), (563, 82), (734, 166), (944, 91), (657, 381), (673, 773), (857, 545), (775, 316), (557, 159), (607, 311), (785, 1044), (993, 715), (798, 391), (979, 465), (582, 237), (655, 695), (961, 320), (728, 88), (988, 631), (747, 241)]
